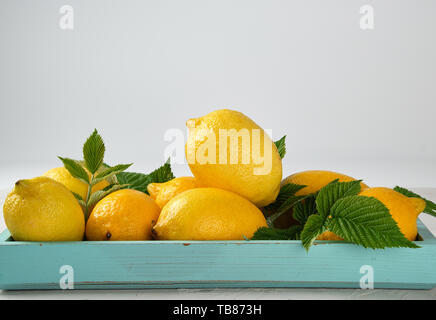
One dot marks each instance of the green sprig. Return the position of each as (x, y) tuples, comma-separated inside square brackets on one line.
[(281, 146), (93, 156)]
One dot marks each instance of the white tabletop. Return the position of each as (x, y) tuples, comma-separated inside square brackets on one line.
[(230, 294)]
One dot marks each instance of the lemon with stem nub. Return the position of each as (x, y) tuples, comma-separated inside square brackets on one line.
[(228, 150), (42, 209)]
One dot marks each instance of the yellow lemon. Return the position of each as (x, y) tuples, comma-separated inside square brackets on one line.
[(404, 210), (208, 214), (122, 215), (228, 150), (314, 180), (42, 209), (62, 175), (163, 192)]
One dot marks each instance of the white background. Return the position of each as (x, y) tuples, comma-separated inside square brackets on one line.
[(354, 101)]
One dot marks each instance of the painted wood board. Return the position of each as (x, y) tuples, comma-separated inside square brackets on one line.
[(213, 264)]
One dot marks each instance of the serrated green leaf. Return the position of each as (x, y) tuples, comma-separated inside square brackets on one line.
[(75, 169), (284, 202), (104, 166), (367, 222), (286, 191), (430, 206), (290, 202), (110, 172), (303, 209), (312, 229), (93, 152), (136, 181), (281, 146), (162, 174), (332, 192), (265, 233), (140, 181), (285, 208)]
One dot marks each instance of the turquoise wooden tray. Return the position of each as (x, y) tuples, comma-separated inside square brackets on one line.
[(211, 264)]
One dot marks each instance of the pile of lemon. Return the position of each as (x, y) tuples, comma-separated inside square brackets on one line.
[(222, 201)]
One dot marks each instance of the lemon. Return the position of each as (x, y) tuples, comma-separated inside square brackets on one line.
[(314, 180), (404, 210), (208, 214), (42, 209), (122, 215), (163, 192), (62, 175), (228, 150)]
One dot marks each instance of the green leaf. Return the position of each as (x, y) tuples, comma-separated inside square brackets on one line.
[(281, 146), (140, 181), (110, 179), (110, 172), (162, 174), (290, 202), (137, 181), (335, 190), (325, 199), (367, 222), (265, 233), (79, 200), (312, 229), (82, 204), (286, 191), (93, 152), (430, 206), (75, 169), (287, 205), (304, 209), (77, 196), (284, 202), (123, 186)]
